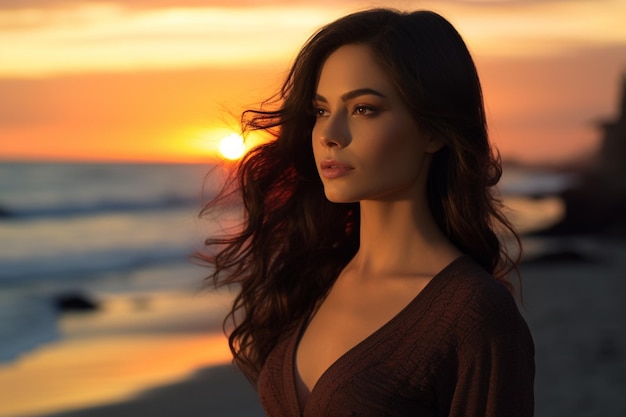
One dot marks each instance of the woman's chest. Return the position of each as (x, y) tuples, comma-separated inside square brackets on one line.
[(348, 317)]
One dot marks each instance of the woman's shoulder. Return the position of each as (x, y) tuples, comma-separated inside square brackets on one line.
[(473, 297)]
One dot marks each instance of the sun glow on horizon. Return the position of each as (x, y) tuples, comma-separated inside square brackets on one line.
[(232, 147), (154, 81)]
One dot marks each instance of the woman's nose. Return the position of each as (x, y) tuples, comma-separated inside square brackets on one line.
[(335, 133)]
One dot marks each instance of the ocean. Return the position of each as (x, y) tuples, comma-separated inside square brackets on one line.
[(101, 228), (95, 229)]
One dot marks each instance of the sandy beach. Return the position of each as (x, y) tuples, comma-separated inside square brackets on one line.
[(157, 357), (122, 352), (218, 391), (575, 308)]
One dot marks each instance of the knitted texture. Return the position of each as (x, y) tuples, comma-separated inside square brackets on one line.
[(460, 348)]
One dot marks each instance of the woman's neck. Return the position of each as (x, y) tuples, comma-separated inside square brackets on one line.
[(401, 238)]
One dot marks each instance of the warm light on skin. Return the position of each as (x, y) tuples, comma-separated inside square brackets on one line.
[(232, 147), (364, 127)]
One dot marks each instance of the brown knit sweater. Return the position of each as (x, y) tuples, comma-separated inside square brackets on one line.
[(460, 348)]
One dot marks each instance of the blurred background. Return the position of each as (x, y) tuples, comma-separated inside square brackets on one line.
[(114, 116)]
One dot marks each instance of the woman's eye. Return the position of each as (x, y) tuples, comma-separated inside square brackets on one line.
[(362, 110), (320, 112)]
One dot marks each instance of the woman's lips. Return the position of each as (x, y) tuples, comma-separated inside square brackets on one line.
[(334, 169)]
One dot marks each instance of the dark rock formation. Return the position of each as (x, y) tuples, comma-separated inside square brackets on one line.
[(5, 213), (598, 203), (74, 302)]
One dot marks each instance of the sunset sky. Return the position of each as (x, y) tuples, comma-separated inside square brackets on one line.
[(165, 80)]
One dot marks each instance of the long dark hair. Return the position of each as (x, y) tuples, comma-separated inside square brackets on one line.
[(294, 242)]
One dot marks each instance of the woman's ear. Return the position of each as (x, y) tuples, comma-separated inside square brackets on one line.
[(433, 144)]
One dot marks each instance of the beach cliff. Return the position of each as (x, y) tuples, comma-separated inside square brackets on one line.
[(597, 203)]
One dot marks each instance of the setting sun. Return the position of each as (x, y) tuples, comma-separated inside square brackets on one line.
[(232, 147)]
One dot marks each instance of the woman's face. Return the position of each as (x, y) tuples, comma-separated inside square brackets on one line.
[(366, 144)]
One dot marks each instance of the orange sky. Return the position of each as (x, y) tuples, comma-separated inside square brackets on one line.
[(165, 80)]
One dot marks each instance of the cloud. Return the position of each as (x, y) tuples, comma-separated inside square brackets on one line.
[(152, 4), (159, 4), (508, 3), (109, 38), (97, 36)]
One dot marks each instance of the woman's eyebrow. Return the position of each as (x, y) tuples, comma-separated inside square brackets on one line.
[(353, 94)]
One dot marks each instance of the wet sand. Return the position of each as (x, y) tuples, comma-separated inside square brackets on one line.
[(218, 391), (576, 310), (135, 343)]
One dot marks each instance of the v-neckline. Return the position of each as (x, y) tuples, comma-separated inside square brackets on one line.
[(292, 369)]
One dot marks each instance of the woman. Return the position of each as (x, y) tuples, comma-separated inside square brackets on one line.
[(372, 280)]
